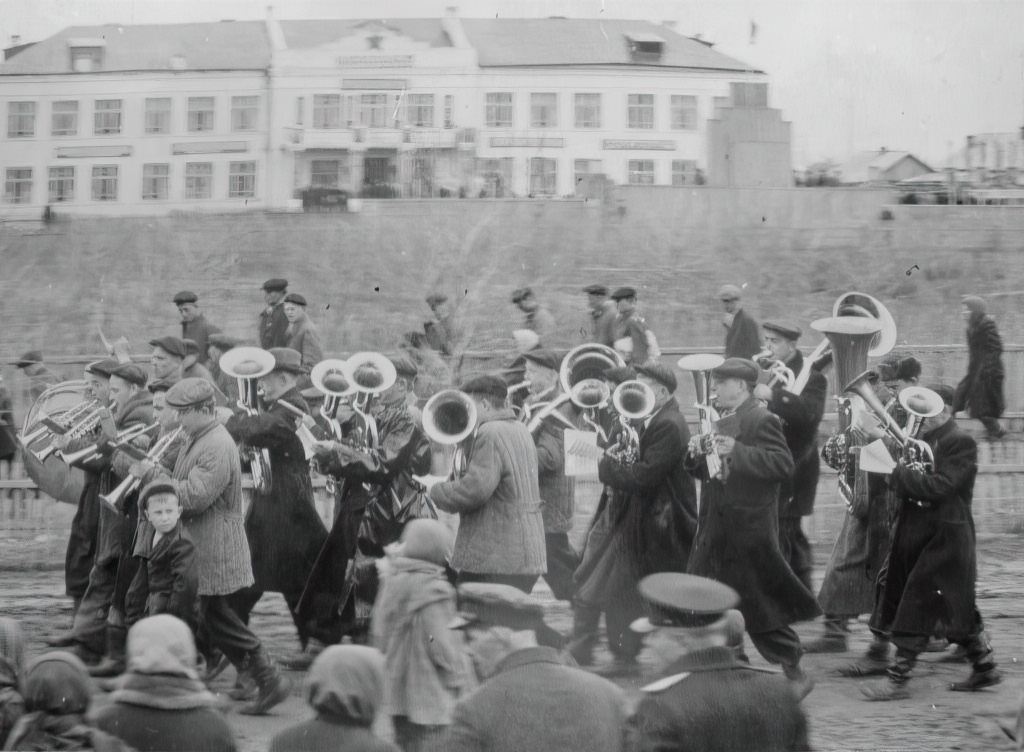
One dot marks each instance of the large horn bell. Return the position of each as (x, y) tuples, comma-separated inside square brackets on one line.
[(921, 401), (587, 363), (246, 362), (633, 399), (332, 377), (862, 304), (449, 416), (372, 373), (850, 338)]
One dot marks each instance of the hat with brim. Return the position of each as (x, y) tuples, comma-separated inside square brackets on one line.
[(683, 600), (186, 296), (486, 385), (222, 341), (545, 358), (662, 374), (288, 360), (729, 292), (161, 385), (404, 365), (171, 345), (190, 392), (786, 329), (618, 374), (521, 293), (623, 292), (738, 368), (31, 358), (162, 486), (275, 285), (436, 299), (595, 290)]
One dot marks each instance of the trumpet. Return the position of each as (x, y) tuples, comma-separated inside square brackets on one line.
[(115, 498), (700, 366), (247, 365), (92, 452), (64, 422), (84, 424)]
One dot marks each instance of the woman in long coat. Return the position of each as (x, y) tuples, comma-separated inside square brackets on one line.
[(980, 392)]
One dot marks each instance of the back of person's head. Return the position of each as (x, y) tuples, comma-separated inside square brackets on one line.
[(427, 540), (162, 644), (346, 683), (57, 683)]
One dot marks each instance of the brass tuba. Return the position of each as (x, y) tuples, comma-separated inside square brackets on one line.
[(333, 378), (700, 367), (779, 374), (632, 400), (449, 418), (372, 373), (247, 365), (582, 378)]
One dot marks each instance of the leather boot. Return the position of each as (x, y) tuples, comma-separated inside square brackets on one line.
[(585, 620), (875, 662), (896, 686), (801, 683), (113, 663), (983, 672), (833, 640), (245, 687), (273, 687)]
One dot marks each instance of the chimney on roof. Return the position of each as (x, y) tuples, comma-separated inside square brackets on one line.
[(15, 40)]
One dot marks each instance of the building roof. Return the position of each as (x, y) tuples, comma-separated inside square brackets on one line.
[(575, 41), (864, 166), (234, 45), (316, 33)]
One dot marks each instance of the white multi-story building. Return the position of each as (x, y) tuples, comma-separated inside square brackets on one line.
[(218, 116)]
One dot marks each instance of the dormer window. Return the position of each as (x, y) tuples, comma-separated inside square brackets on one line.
[(86, 54), (645, 47)]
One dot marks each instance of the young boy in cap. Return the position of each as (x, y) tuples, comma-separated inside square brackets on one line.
[(194, 325), (167, 581), (742, 334), (705, 695), (273, 323), (634, 338)]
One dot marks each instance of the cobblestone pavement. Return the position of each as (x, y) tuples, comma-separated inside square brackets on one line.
[(932, 719)]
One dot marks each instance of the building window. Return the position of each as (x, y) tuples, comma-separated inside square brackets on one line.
[(158, 115), (18, 185), (326, 111), (588, 110), (300, 107), (200, 114), (641, 171), (373, 110), (543, 176), (684, 112), (62, 184), (419, 110), (21, 119), (107, 118), (155, 181), (84, 59), (198, 179), (641, 111), (717, 102), (684, 171), (64, 119), (104, 183), (449, 111), (242, 183), (499, 109), (245, 112), (544, 110), (583, 167), (324, 173)]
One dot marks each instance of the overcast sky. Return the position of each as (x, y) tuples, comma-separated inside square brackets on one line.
[(850, 75)]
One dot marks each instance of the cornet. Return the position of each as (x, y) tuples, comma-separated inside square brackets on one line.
[(85, 423), (115, 498), (700, 366), (92, 452)]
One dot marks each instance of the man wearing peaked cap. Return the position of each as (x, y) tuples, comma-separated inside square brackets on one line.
[(194, 325), (737, 540), (529, 699), (175, 358), (704, 694), (537, 320), (40, 377), (602, 315), (801, 413), (302, 334), (742, 334), (633, 337), (547, 422), (655, 486), (273, 323)]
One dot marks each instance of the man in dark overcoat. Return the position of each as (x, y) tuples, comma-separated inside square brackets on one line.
[(705, 698), (800, 413), (273, 324), (285, 531), (980, 392), (929, 586), (737, 540), (194, 325), (742, 334), (659, 516)]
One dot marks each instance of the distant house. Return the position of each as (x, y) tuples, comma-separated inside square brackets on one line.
[(879, 167)]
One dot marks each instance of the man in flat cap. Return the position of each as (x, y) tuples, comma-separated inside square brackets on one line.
[(742, 335), (656, 529), (40, 377), (529, 698), (273, 324), (443, 333), (602, 315), (207, 478), (704, 695), (800, 407), (175, 359), (194, 325), (550, 414), (634, 338), (737, 540), (302, 334), (537, 320), (285, 531), (377, 498), (501, 528), (929, 587)]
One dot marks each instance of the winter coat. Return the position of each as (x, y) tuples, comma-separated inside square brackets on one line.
[(800, 414), (980, 392), (743, 337), (323, 734), (535, 702), (284, 529), (709, 702), (154, 730), (272, 327), (501, 529), (199, 330), (737, 540), (167, 582), (303, 338), (427, 665), (929, 583)]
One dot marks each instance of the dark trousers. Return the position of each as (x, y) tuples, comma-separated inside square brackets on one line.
[(524, 582), (246, 599), (415, 737), (796, 549), (910, 646), (562, 563), (90, 628), (780, 645), (224, 630)]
